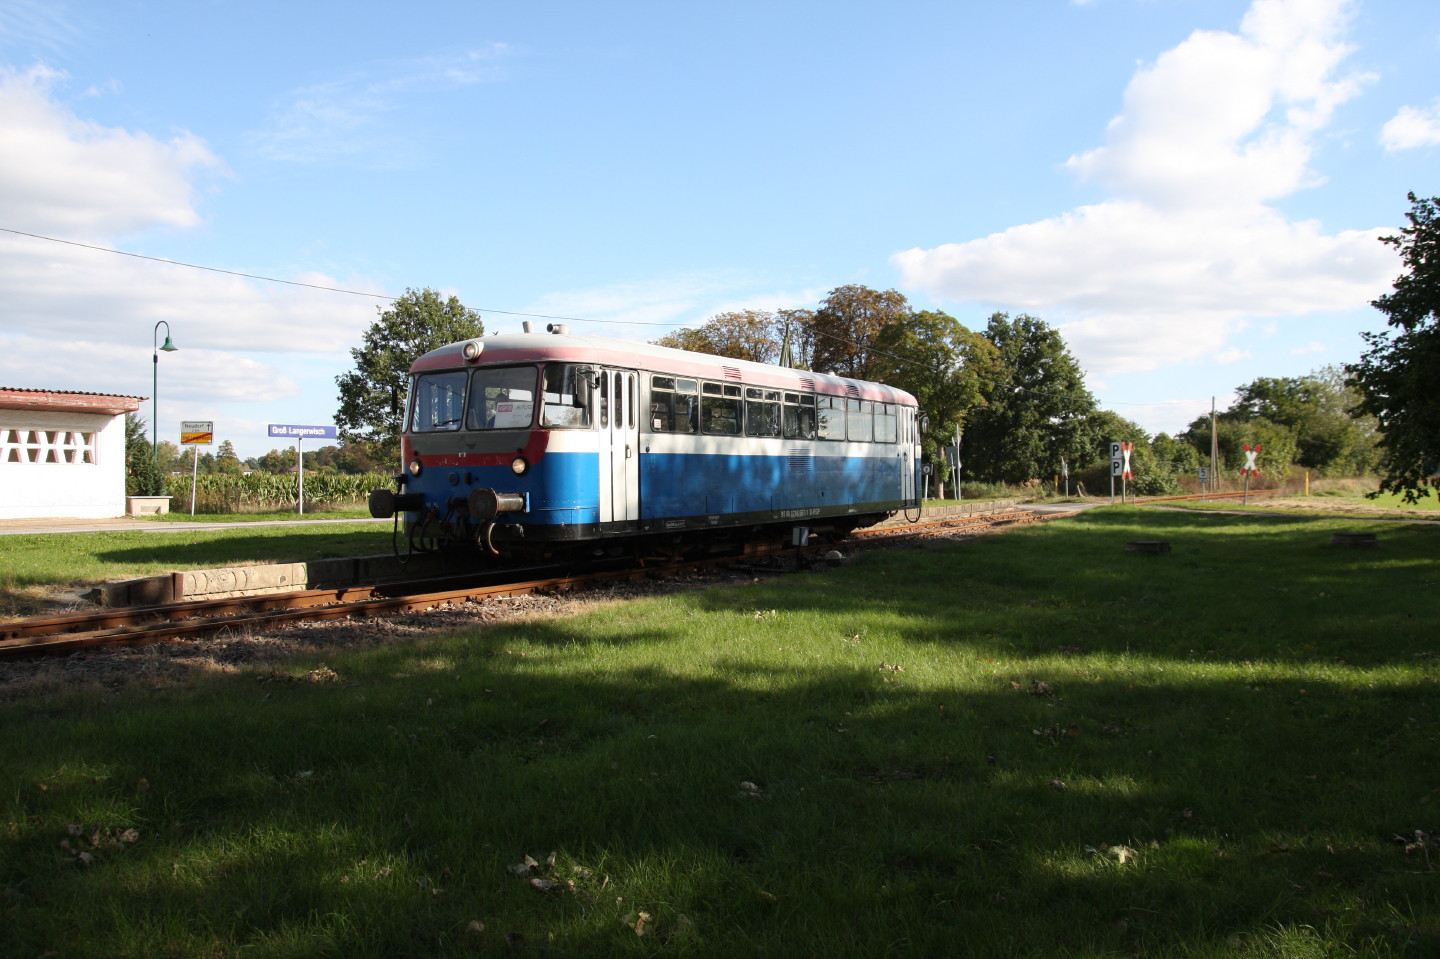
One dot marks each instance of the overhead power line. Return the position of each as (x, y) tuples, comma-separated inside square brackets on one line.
[(391, 298)]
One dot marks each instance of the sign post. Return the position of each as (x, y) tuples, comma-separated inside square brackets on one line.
[(1116, 467), (196, 433), (299, 433), (1125, 475), (1249, 470)]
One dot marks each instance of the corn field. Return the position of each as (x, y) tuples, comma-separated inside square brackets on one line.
[(268, 492)]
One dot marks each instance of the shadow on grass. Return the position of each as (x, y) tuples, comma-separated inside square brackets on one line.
[(948, 775), (184, 548)]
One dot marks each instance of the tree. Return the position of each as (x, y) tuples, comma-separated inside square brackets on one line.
[(1397, 376), (414, 324), (745, 335), (1151, 474), (1317, 407), (946, 367), (1037, 410), (226, 462), (142, 474), (845, 326)]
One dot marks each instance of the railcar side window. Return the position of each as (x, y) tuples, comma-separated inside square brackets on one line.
[(501, 398), (564, 406), (674, 405), (859, 420), (887, 429), (799, 416), (439, 400), (720, 409), (830, 417), (762, 412)]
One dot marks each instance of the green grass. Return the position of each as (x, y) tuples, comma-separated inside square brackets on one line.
[(1029, 744), (29, 561), (272, 516)]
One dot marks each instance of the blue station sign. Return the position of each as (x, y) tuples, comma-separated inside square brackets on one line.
[(304, 432)]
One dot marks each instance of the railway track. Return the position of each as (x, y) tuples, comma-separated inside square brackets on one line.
[(142, 625)]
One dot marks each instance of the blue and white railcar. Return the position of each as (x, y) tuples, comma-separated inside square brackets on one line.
[(535, 439)]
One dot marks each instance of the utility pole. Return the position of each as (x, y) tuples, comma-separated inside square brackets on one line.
[(1214, 449)]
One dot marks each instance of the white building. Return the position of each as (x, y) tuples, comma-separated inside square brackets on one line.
[(62, 454)]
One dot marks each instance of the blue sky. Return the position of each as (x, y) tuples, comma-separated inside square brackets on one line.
[(1189, 189)]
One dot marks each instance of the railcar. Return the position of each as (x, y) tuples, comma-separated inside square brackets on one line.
[(530, 442)]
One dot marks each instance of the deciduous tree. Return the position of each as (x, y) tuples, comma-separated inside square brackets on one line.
[(413, 324), (1037, 410), (1398, 375), (845, 326), (744, 335), (946, 367)]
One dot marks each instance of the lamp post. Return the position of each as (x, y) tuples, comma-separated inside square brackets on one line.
[(155, 384)]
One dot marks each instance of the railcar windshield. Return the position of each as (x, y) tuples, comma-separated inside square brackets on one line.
[(439, 401), (501, 398)]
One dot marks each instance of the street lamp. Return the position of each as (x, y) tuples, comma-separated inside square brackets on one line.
[(155, 384)]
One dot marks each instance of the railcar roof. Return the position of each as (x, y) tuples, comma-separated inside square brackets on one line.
[(570, 348)]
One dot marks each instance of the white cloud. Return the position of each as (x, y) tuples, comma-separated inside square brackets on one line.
[(189, 374), (349, 118), (61, 173), (1412, 127), (75, 293), (76, 318), (1232, 355), (1165, 270), (1311, 347), (46, 24)]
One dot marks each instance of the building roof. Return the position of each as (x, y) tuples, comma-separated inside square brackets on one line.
[(66, 401)]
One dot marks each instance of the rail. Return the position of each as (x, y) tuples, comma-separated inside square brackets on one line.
[(142, 625)]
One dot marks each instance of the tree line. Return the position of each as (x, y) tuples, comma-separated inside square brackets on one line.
[(1012, 390)]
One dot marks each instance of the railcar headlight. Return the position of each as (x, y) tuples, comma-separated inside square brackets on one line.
[(472, 350), (518, 466), (415, 466)]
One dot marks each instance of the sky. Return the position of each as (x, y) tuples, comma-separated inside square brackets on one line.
[(1191, 191)]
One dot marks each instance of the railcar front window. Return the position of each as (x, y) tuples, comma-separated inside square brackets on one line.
[(439, 401), (565, 406), (501, 398)]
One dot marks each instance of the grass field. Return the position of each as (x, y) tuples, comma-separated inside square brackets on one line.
[(1028, 744), (33, 563)]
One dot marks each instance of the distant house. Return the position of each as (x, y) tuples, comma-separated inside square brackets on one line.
[(62, 454)]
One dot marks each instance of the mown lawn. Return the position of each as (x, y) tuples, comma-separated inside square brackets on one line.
[(1027, 744), (31, 563)]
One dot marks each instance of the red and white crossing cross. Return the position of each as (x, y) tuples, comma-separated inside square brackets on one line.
[(1249, 469), (1125, 449)]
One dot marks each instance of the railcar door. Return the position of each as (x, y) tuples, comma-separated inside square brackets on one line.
[(909, 447), (619, 448)]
